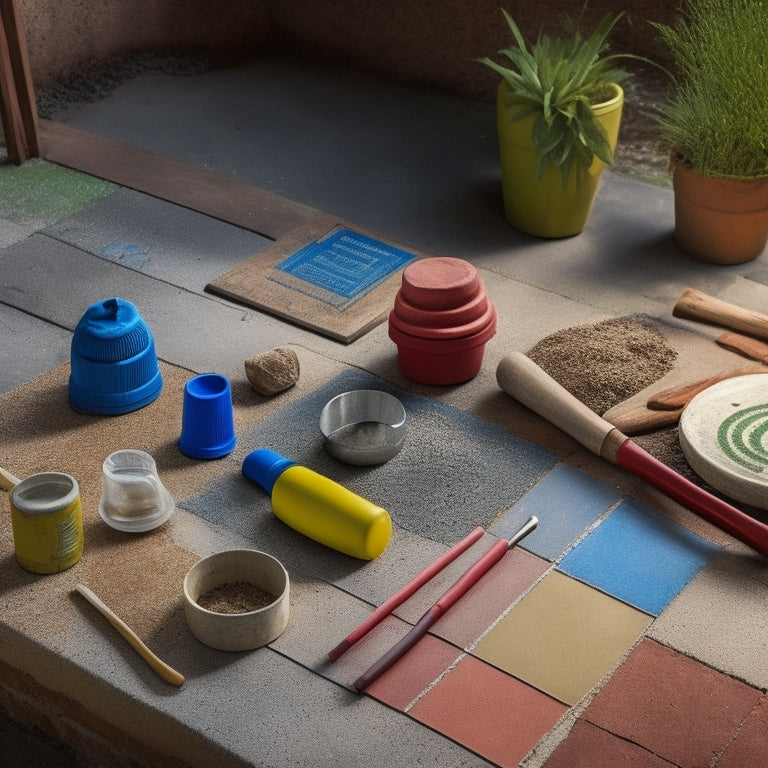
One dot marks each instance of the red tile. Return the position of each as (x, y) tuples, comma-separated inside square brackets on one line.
[(751, 743), (488, 711), (412, 674), (672, 705), (588, 746)]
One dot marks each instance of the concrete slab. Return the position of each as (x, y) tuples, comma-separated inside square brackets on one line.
[(11, 233), (590, 747), (197, 332), (278, 136), (45, 346), (687, 722), (563, 523), (172, 244), (625, 261), (435, 152), (730, 637), (638, 556), (39, 193)]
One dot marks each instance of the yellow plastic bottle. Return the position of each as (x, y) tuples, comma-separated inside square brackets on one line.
[(319, 507)]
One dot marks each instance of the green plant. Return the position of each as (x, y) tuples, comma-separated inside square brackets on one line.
[(559, 79), (717, 116)]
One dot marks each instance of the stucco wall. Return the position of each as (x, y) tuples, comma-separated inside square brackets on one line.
[(424, 42), (66, 35), (435, 42)]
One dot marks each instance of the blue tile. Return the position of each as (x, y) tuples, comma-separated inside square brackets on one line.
[(566, 501), (640, 556)]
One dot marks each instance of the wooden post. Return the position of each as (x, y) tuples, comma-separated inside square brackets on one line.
[(17, 97)]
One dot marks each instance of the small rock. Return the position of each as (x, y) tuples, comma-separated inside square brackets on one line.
[(272, 372)]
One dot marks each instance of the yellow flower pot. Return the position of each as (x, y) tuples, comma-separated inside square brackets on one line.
[(543, 208)]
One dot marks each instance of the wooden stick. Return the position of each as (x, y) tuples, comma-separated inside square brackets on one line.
[(7, 480), (169, 674), (694, 305), (22, 75), (639, 420), (13, 123), (678, 397), (744, 345)]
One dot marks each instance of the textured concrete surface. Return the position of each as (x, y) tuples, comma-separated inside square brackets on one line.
[(283, 705)]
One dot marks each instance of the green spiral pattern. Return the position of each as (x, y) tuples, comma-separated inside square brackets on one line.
[(741, 437)]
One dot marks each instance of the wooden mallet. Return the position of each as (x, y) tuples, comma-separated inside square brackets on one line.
[(521, 378)]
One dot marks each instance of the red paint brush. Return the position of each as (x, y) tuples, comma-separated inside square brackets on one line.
[(402, 594), (520, 377), (465, 582)]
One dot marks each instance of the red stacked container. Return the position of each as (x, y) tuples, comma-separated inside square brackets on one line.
[(441, 321)]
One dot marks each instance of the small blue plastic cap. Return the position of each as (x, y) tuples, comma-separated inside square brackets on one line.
[(264, 467)]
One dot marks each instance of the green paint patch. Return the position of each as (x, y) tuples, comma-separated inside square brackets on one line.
[(741, 437), (39, 193)]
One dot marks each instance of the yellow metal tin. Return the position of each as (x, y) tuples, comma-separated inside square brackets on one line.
[(47, 520)]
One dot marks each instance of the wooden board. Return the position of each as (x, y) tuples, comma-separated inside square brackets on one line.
[(198, 189), (256, 283)]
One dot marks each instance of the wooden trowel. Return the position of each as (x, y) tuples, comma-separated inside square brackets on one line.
[(638, 419), (664, 408), (678, 397)]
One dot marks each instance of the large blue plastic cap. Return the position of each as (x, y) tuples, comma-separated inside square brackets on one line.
[(114, 366), (264, 467), (111, 317)]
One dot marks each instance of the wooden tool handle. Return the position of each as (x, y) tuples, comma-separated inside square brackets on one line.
[(675, 398), (693, 497), (524, 380), (520, 377), (744, 345), (639, 420), (7, 480), (169, 674), (694, 305)]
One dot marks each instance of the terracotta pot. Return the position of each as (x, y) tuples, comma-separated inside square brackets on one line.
[(721, 221), (441, 318)]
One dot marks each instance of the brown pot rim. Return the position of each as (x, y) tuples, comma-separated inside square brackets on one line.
[(678, 162)]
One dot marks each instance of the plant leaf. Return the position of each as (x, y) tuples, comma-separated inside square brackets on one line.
[(560, 77)]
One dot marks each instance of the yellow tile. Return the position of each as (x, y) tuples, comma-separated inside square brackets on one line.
[(563, 637)]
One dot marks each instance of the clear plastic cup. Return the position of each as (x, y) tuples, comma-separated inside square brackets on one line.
[(132, 496)]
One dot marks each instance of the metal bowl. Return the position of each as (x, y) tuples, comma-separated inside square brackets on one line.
[(363, 427)]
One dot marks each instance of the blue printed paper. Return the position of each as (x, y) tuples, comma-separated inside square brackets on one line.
[(345, 264)]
